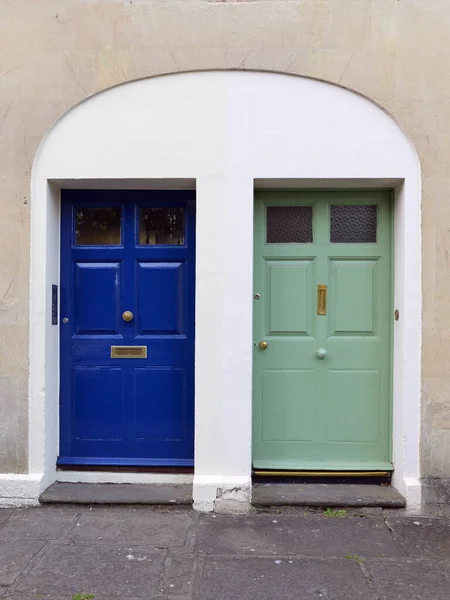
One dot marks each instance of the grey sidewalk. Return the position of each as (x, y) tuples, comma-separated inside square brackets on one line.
[(136, 553)]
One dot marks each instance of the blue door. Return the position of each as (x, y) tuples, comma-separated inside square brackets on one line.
[(127, 328)]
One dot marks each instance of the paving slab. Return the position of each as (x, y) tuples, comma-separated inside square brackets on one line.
[(37, 524), (410, 580), (136, 526), (14, 557), (311, 535), (323, 494), (107, 571), (179, 577), (423, 537), (286, 579), (117, 493), (5, 513)]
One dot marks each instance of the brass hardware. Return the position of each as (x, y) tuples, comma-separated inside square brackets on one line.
[(321, 299), (321, 473), (128, 351), (396, 315), (263, 345), (127, 315)]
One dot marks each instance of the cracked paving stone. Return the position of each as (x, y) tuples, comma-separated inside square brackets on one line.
[(284, 579), (149, 528), (14, 557), (410, 580), (106, 571), (37, 524), (291, 534), (423, 537)]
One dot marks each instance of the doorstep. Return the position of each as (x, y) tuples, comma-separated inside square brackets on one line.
[(117, 493), (327, 495)]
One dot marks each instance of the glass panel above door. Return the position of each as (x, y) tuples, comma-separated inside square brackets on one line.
[(353, 224), (97, 226), (289, 225), (162, 226)]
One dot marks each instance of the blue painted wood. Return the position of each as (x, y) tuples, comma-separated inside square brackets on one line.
[(127, 411)]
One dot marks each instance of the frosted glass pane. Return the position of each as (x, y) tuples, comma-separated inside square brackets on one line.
[(289, 224), (97, 226), (353, 224), (161, 226)]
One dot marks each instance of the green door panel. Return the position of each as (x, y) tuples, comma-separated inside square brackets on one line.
[(309, 412)]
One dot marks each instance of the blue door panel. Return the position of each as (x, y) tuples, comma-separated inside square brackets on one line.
[(160, 288), (126, 411), (98, 403), (159, 393), (97, 297)]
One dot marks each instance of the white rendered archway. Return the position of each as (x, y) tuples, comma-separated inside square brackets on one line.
[(223, 133)]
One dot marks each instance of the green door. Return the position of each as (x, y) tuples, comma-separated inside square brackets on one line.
[(323, 309)]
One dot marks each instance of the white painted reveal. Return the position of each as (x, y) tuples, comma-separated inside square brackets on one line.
[(224, 130)]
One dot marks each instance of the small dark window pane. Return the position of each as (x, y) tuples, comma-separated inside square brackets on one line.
[(289, 224), (161, 226), (97, 226), (353, 224)]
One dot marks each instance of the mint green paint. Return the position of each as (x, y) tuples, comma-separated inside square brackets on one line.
[(331, 413)]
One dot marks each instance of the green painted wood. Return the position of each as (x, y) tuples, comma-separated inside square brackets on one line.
[(332, 413)]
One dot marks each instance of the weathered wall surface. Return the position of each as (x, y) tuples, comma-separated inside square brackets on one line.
[(55, 53)]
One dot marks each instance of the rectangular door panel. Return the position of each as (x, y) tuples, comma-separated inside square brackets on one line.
[(97, 292), (160, 297), (290, 297), (159, 401), (288, 406), (98, 392), (353, 406), (352, 301)]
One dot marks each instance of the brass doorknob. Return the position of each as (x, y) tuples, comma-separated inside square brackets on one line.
[(127, 315), (263, 345)]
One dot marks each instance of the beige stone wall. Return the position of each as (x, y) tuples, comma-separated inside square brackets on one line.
[(55, 53)]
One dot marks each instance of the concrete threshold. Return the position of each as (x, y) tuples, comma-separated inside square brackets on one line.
[(326, 495), (117, 493)]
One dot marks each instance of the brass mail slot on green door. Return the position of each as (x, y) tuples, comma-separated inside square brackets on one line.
[(128, 351)]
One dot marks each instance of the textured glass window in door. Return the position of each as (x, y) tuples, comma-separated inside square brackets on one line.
[(289, 224), (97, 226), (353, 224), (161, 226)]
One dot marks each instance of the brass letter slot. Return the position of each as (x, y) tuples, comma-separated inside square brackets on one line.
[(128, 351), (321, 299)]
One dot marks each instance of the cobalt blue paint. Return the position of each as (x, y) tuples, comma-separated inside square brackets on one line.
[(122, 411)]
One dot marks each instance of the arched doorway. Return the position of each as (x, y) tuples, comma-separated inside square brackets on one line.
[(226, 134)]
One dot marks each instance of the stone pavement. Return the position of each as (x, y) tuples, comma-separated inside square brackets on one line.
[(132, 553)]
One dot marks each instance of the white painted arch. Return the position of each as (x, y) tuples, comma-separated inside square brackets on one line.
[(224, 133)]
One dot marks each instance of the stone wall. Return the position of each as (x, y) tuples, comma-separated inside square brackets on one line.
[(55, 53)]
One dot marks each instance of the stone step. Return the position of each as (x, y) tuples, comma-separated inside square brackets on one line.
[(117, 493), (326, 495)]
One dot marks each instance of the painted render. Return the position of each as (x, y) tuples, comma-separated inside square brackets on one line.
[(56, 54)]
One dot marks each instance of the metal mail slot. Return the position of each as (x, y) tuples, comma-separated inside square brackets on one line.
[(128, 351)]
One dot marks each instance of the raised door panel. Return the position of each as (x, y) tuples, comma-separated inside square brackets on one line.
[(159, 411), (96, 297), (288, 405), (352, 302), (98, 403), (290, 306), (160, 297), (353, 406)]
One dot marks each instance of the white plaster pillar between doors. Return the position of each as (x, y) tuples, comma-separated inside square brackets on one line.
[(223, 362)]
